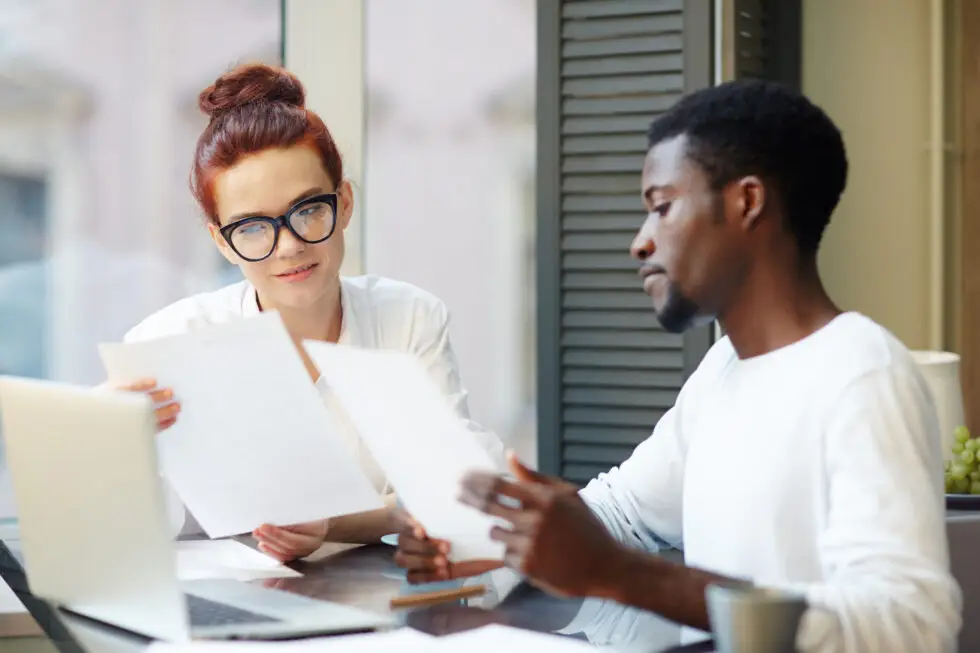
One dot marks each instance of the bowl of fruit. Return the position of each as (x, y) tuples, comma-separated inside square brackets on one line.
[(963, 471)]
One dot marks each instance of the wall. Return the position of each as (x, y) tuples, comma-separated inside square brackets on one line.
[(441, 152), (449, 178), (332, 70), (99, 98), (869, 69)]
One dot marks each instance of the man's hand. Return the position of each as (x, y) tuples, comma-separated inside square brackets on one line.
[(554, 538), (165, 408), (287, 543), (426, 560)]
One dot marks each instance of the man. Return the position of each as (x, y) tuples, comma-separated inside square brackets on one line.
[(804, 451)]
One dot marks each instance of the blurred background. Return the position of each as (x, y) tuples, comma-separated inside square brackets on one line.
[(441, 108), (98, 122), (495, 147)]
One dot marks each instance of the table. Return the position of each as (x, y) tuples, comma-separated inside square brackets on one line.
[(366, 577), (963, 531)]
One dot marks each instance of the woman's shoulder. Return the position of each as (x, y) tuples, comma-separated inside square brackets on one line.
[(192, 313), (383, 296), (390, 314)]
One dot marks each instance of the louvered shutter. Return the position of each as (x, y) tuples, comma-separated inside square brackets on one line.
[(767, 40), (607, 370), (606, 68)]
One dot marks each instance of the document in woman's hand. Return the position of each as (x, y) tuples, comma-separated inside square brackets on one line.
[(254, 443)]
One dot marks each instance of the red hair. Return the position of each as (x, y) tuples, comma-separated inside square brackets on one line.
[(254, 108)]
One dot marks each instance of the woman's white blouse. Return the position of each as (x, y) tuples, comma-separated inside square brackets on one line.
[(378, 313)]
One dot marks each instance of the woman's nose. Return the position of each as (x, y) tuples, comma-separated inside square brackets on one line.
[(289, 245)]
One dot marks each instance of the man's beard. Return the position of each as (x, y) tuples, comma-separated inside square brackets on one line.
[(680, 313)]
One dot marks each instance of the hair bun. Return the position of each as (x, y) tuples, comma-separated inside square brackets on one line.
[(251, 83)]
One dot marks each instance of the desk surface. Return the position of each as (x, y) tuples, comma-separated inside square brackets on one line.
[(366, 577)]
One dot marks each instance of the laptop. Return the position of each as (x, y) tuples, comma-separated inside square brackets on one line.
[(94, 530)]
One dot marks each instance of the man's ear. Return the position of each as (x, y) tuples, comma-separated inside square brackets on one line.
[(751, 200)]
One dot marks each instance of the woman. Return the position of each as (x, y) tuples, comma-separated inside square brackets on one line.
[(270, 181)]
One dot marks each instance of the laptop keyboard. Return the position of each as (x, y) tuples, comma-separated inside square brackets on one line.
[(208, 613)]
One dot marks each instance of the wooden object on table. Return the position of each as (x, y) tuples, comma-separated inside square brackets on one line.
[(442, 596)]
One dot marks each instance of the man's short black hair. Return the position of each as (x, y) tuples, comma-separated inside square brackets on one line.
[(769, 130)]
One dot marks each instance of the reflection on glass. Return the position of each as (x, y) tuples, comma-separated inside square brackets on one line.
[(23, 293), (98, 120), (450, 179)]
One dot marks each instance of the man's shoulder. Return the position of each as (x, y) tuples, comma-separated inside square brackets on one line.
[(190, 313), (719, 357), (850, 347), (856, 346)]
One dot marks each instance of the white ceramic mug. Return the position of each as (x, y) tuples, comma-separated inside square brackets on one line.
[(754, 619)]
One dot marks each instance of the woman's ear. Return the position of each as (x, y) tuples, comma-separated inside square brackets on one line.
[(345, 204), (222, 244)]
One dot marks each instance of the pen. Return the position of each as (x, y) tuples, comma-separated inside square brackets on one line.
[(441, 596)]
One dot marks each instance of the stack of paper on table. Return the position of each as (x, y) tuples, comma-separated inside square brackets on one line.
[(8, 504), (420, 443), (404, 640), (202, 559), (498, 638), (254, 442), (489, 639), (14, 618), (9, 603)]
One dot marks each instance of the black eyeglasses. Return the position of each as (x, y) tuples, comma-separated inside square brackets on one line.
[(312, 221)]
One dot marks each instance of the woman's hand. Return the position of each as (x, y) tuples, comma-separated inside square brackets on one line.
[(288, 543), (426, 560), (165, 408)]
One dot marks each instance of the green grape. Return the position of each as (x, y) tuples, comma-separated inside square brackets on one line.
[(968, 456), (949, 484), (958, 471), (958, 448), (975, 487), (961, 485), (961, 433), (975, 475), (972, 444)]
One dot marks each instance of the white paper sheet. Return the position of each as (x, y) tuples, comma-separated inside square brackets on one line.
[(201, 559), (496, 638), (254, 442), (403, 640), (489, 639), (416, 438)]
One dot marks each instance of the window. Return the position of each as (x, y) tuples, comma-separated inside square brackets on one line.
[(23, 292), (98, 121), (449, 183)]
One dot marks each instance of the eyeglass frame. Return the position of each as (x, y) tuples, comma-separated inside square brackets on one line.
[(279, 222)]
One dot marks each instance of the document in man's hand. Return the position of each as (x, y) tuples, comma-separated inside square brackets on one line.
[(254, 442), (417, 439)]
